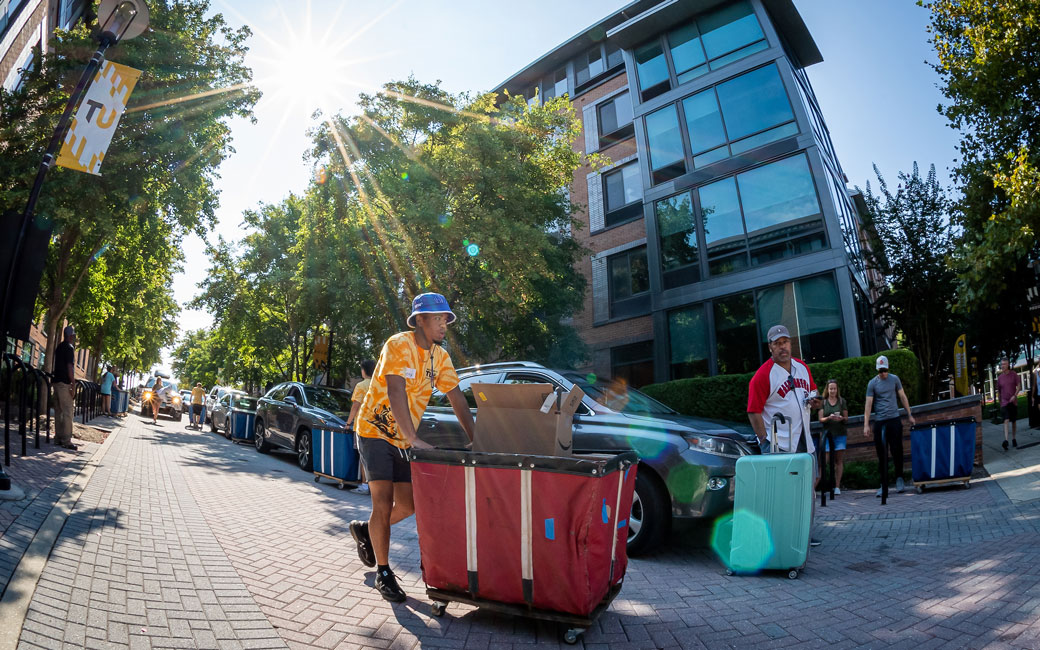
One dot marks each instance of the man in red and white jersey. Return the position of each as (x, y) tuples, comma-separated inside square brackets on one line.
[(782, 385)]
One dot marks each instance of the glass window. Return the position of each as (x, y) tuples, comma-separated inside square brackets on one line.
[(629, 275), (615, 114), (734, 329), (589, 65), (623, 187), (689, 353), (703, 121), (678, 233), (665, 144), (560, 83), (723, 227), (775, 195), (687, 52), (754, 102), (336, 401), (652, 70), (27, 352), (730, 28), (632, 365), (811, 311), (614, 56)]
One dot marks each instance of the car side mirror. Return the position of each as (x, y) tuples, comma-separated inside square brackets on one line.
[(289, 399)]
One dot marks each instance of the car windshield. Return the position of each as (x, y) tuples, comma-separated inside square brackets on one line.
[(244, 402), (335, 401), (618, 396)]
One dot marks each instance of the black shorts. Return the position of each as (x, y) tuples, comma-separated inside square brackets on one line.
[(383, 461), (1009, 411), (196, 409)]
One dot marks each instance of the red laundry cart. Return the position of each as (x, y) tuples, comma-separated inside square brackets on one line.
[(536, 536)]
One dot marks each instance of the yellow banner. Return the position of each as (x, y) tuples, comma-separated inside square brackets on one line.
[(961, 379), (97, 118)]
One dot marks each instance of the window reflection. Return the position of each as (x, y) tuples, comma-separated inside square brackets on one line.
[(811, 311), (723, 227), (665, 144), (729, 28), (754, 101), (734, 329), (688, 343), (678, 234)]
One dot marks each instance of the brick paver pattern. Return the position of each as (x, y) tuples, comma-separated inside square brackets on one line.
[(183, 539)]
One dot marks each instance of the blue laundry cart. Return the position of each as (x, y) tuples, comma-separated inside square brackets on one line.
[(335, 456), (242, 423), (942, 452)]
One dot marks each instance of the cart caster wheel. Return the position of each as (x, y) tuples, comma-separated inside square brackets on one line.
[(437, 608), (316, 479), (793, 574), (967, 486), (920, 489), (572, 635), (341, 486)]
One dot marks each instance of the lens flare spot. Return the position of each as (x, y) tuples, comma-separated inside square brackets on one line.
[(751, 542), (465, 242), (591, 378), (443, 219), (722, 537), (647, 448), (686, 483), (404, 176), (473, 250)]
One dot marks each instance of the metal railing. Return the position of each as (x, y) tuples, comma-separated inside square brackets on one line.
[(87, 400), (24, 388)]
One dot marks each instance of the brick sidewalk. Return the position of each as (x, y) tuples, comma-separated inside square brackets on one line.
[(182, 539)]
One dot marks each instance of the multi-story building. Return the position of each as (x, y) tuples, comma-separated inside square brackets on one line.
[(724, 209)]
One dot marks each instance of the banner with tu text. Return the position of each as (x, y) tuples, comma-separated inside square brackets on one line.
[(97, 118)]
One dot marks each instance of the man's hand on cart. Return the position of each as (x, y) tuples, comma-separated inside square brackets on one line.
[(420, 444)]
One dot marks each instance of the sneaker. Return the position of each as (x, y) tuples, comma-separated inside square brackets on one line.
[(359, 531), (837, 491), (386, 585), (878, 493), (1004, 444), (814, 542), (899, 485), (362, 489), (1014, 443)]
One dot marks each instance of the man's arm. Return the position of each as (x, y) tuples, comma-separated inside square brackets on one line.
[(354, 408), (72, 377), (906, 405), (759, 426), (398, 397), (866, 415), (461, 408)]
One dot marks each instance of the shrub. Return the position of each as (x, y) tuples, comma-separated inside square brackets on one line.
[(724, 397), (864, 475)]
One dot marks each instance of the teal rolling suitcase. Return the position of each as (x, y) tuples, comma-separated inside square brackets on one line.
[(772, 513)]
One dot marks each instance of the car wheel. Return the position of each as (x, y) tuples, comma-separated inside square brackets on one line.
[(649, 520), (227, 428), (303, 451), (258, 441), (212, 425)]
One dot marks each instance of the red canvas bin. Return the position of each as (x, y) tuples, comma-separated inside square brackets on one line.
[(542, 531)]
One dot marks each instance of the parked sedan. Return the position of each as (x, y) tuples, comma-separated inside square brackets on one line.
[(686, 464), (212, 397), (289, 412), (220, 420), (185, 401)]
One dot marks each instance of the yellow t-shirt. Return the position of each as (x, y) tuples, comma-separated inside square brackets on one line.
[(360, 390), (422, 370), (198, 395)]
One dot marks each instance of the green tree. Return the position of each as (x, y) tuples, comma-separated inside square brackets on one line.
[(987, 53), (915, 239), (161, 166)]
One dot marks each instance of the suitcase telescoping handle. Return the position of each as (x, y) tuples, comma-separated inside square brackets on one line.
[(779, 417)]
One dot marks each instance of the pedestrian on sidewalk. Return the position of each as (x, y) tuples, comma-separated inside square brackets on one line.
[(834, 415), (356, 399), (1034, 396), (107, 380), (157, 390), (410, 366), (1008, 385), (198, 396), (65, 388), (882, 392), (783, 385)]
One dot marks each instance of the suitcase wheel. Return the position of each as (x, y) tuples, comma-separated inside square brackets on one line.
[(793, 574), (437, 608), (571, 636), (729, 572)]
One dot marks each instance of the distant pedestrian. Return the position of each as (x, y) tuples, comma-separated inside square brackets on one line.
[(157, 390), (107, 380), (882, 392), (356, 399), (1008, 385), (65, 388), (410, 366), (834, 415), (783, 385), (198, 397)]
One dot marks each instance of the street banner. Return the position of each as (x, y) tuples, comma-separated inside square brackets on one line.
[(961, 380), (321, 351), (97, 118)]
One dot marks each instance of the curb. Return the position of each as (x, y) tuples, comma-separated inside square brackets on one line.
[(20, 589)]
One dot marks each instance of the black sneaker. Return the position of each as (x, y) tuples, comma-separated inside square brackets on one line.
[(359, 531), (386, 584), (1005, 445)]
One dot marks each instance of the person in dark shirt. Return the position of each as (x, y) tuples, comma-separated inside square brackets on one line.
[(64, 388)]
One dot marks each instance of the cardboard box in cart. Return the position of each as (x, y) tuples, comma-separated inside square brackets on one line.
[(520, 524)]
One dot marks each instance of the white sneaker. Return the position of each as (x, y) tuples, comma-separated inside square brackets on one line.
[(878, 493), (899, 485), (837, 491), (362, 489)]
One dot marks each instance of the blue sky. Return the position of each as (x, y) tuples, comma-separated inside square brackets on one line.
[(878, 96)]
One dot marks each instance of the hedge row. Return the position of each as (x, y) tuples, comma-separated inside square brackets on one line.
[(724, 397)]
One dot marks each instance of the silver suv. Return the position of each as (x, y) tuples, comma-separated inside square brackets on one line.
[(169, 398)]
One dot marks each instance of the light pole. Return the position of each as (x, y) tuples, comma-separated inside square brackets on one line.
[(119, 20)]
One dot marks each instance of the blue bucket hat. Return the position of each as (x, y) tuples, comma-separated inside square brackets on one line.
[(430, 303)]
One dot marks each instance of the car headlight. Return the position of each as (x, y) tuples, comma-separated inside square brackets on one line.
[(176, 400), (147, 394), (714, 445)]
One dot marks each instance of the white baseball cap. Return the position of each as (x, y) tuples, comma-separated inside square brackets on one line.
[(882, 362)]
